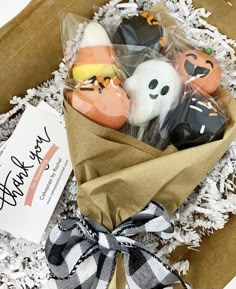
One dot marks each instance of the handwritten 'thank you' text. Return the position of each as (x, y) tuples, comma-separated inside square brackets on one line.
[(15, 179)]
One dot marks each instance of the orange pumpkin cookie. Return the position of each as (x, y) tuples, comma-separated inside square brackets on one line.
[(201, 70)]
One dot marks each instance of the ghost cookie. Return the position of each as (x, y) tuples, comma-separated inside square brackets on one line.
[(102, 100), (154, 90), (141, 30), (195, 121), (96, 54)]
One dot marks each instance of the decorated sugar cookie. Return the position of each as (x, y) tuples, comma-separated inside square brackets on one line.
[(200, 69), (154, 90), (195, 121), (102, 100), (141, 30), (95, 56)]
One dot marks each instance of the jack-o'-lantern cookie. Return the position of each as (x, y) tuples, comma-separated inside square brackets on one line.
[(200, 69)]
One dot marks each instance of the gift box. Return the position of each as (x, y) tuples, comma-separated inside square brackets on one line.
[(107, 163)]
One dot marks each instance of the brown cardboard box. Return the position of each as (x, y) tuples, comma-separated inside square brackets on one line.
[(222, 15), (30, 45), (31, 50)]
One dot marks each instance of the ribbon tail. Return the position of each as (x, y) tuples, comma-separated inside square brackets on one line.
[(106, 264), (70, 254), (79, 276), (144, 270), (95, 272)]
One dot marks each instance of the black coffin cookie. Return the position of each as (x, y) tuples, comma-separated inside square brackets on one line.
[(141, 30), (195, 121)]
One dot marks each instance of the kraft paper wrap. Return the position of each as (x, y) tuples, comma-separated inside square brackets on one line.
[(118, 175)]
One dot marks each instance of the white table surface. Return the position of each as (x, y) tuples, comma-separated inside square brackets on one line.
[(10, 8)]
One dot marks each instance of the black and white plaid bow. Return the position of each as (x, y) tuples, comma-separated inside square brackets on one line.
[(82, 254)]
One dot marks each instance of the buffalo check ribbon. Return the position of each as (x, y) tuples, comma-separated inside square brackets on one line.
[(82, 254)]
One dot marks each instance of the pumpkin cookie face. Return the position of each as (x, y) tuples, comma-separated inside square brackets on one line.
[(141, 30), (200, 69), (101, 100)]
